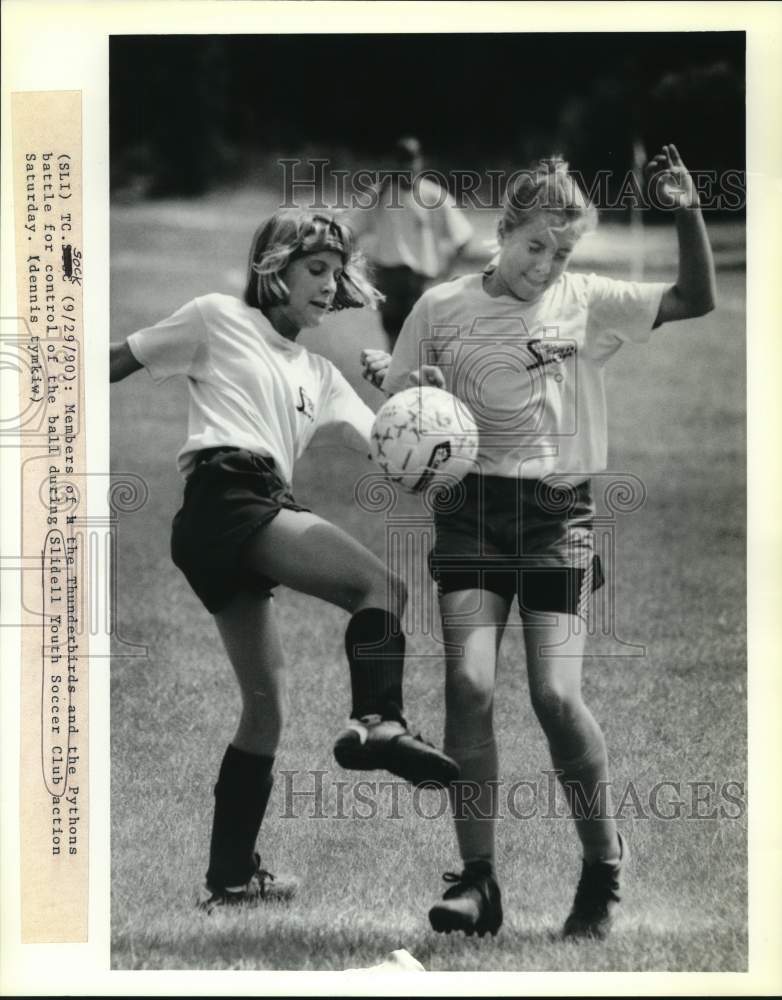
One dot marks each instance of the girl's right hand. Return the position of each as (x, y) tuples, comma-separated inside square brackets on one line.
[(374, 366), (427, 375)]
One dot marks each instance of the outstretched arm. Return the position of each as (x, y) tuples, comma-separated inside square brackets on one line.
[(121, 362), (695, 292)]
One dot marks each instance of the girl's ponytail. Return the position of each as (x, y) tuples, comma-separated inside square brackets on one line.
[(547, 187)]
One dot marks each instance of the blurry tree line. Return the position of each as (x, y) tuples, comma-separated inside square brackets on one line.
[(191, 112)]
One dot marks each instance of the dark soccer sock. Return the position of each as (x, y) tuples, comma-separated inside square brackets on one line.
[(241, 796), (375, 647)]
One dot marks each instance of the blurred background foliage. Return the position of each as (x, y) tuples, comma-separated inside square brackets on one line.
[(192, 113)]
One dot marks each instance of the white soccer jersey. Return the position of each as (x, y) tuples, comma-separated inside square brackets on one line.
[(420, 228), (249, 386), (532, 373)]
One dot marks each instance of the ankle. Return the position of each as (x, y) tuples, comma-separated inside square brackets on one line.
[(607, 854), (480, 866)]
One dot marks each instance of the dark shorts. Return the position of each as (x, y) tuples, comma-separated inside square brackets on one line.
[(529, 538), (402, 288), (229, 495)]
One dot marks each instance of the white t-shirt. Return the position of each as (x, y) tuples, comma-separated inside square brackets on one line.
[(532, 374), (249, 386), (420, 228)]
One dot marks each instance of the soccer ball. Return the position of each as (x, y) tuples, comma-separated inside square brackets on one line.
[(424, 436)]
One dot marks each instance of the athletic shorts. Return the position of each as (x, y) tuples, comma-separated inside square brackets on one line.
[(530, 538), (229, 495)]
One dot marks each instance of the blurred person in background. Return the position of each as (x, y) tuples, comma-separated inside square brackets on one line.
[(416, 230)]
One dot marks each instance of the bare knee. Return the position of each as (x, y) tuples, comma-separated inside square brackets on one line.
[(265, 707), (469, 698), (557, 707), (262, 719)]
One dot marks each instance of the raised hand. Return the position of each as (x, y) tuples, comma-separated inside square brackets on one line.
[(670, 182)]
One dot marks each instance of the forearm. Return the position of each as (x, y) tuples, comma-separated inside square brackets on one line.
[(116, 371), (696, 283), (121, 362)]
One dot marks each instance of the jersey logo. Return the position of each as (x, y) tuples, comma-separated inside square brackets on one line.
[(547, 353), (306, 406)]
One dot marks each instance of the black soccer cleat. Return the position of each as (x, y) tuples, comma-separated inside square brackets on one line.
[(263, 887), (373, 742), (473, 904), (596, 899)]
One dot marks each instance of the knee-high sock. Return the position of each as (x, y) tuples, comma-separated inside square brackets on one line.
[(474, 800), (375, 647), (241, 796)]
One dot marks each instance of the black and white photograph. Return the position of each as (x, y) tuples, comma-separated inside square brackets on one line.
[(428, 362), (522, 532)]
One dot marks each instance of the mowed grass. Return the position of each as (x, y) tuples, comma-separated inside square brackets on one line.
[(369, 869)]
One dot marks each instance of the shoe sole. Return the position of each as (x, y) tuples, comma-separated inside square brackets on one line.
[(280, 895), (587, 933), (421, 768), (273, 896), (276, 899), (444, 922)]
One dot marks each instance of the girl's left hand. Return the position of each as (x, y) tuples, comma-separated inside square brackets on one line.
[(375, 365), (670, 182)]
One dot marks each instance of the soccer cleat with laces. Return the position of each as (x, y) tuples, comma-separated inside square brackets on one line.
[(473, 904), (373, 742), (596, 899), (263, 887)]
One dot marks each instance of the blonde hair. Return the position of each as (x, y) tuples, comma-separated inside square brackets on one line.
[(293, 233), (548, 187)]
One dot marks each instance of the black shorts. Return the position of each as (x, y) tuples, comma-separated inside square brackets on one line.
[(230, 494), (532, 538)]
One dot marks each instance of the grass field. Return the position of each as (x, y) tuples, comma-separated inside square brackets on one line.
[(676, 713)]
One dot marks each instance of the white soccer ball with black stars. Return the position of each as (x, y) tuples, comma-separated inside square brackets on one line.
[(424, 436)]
